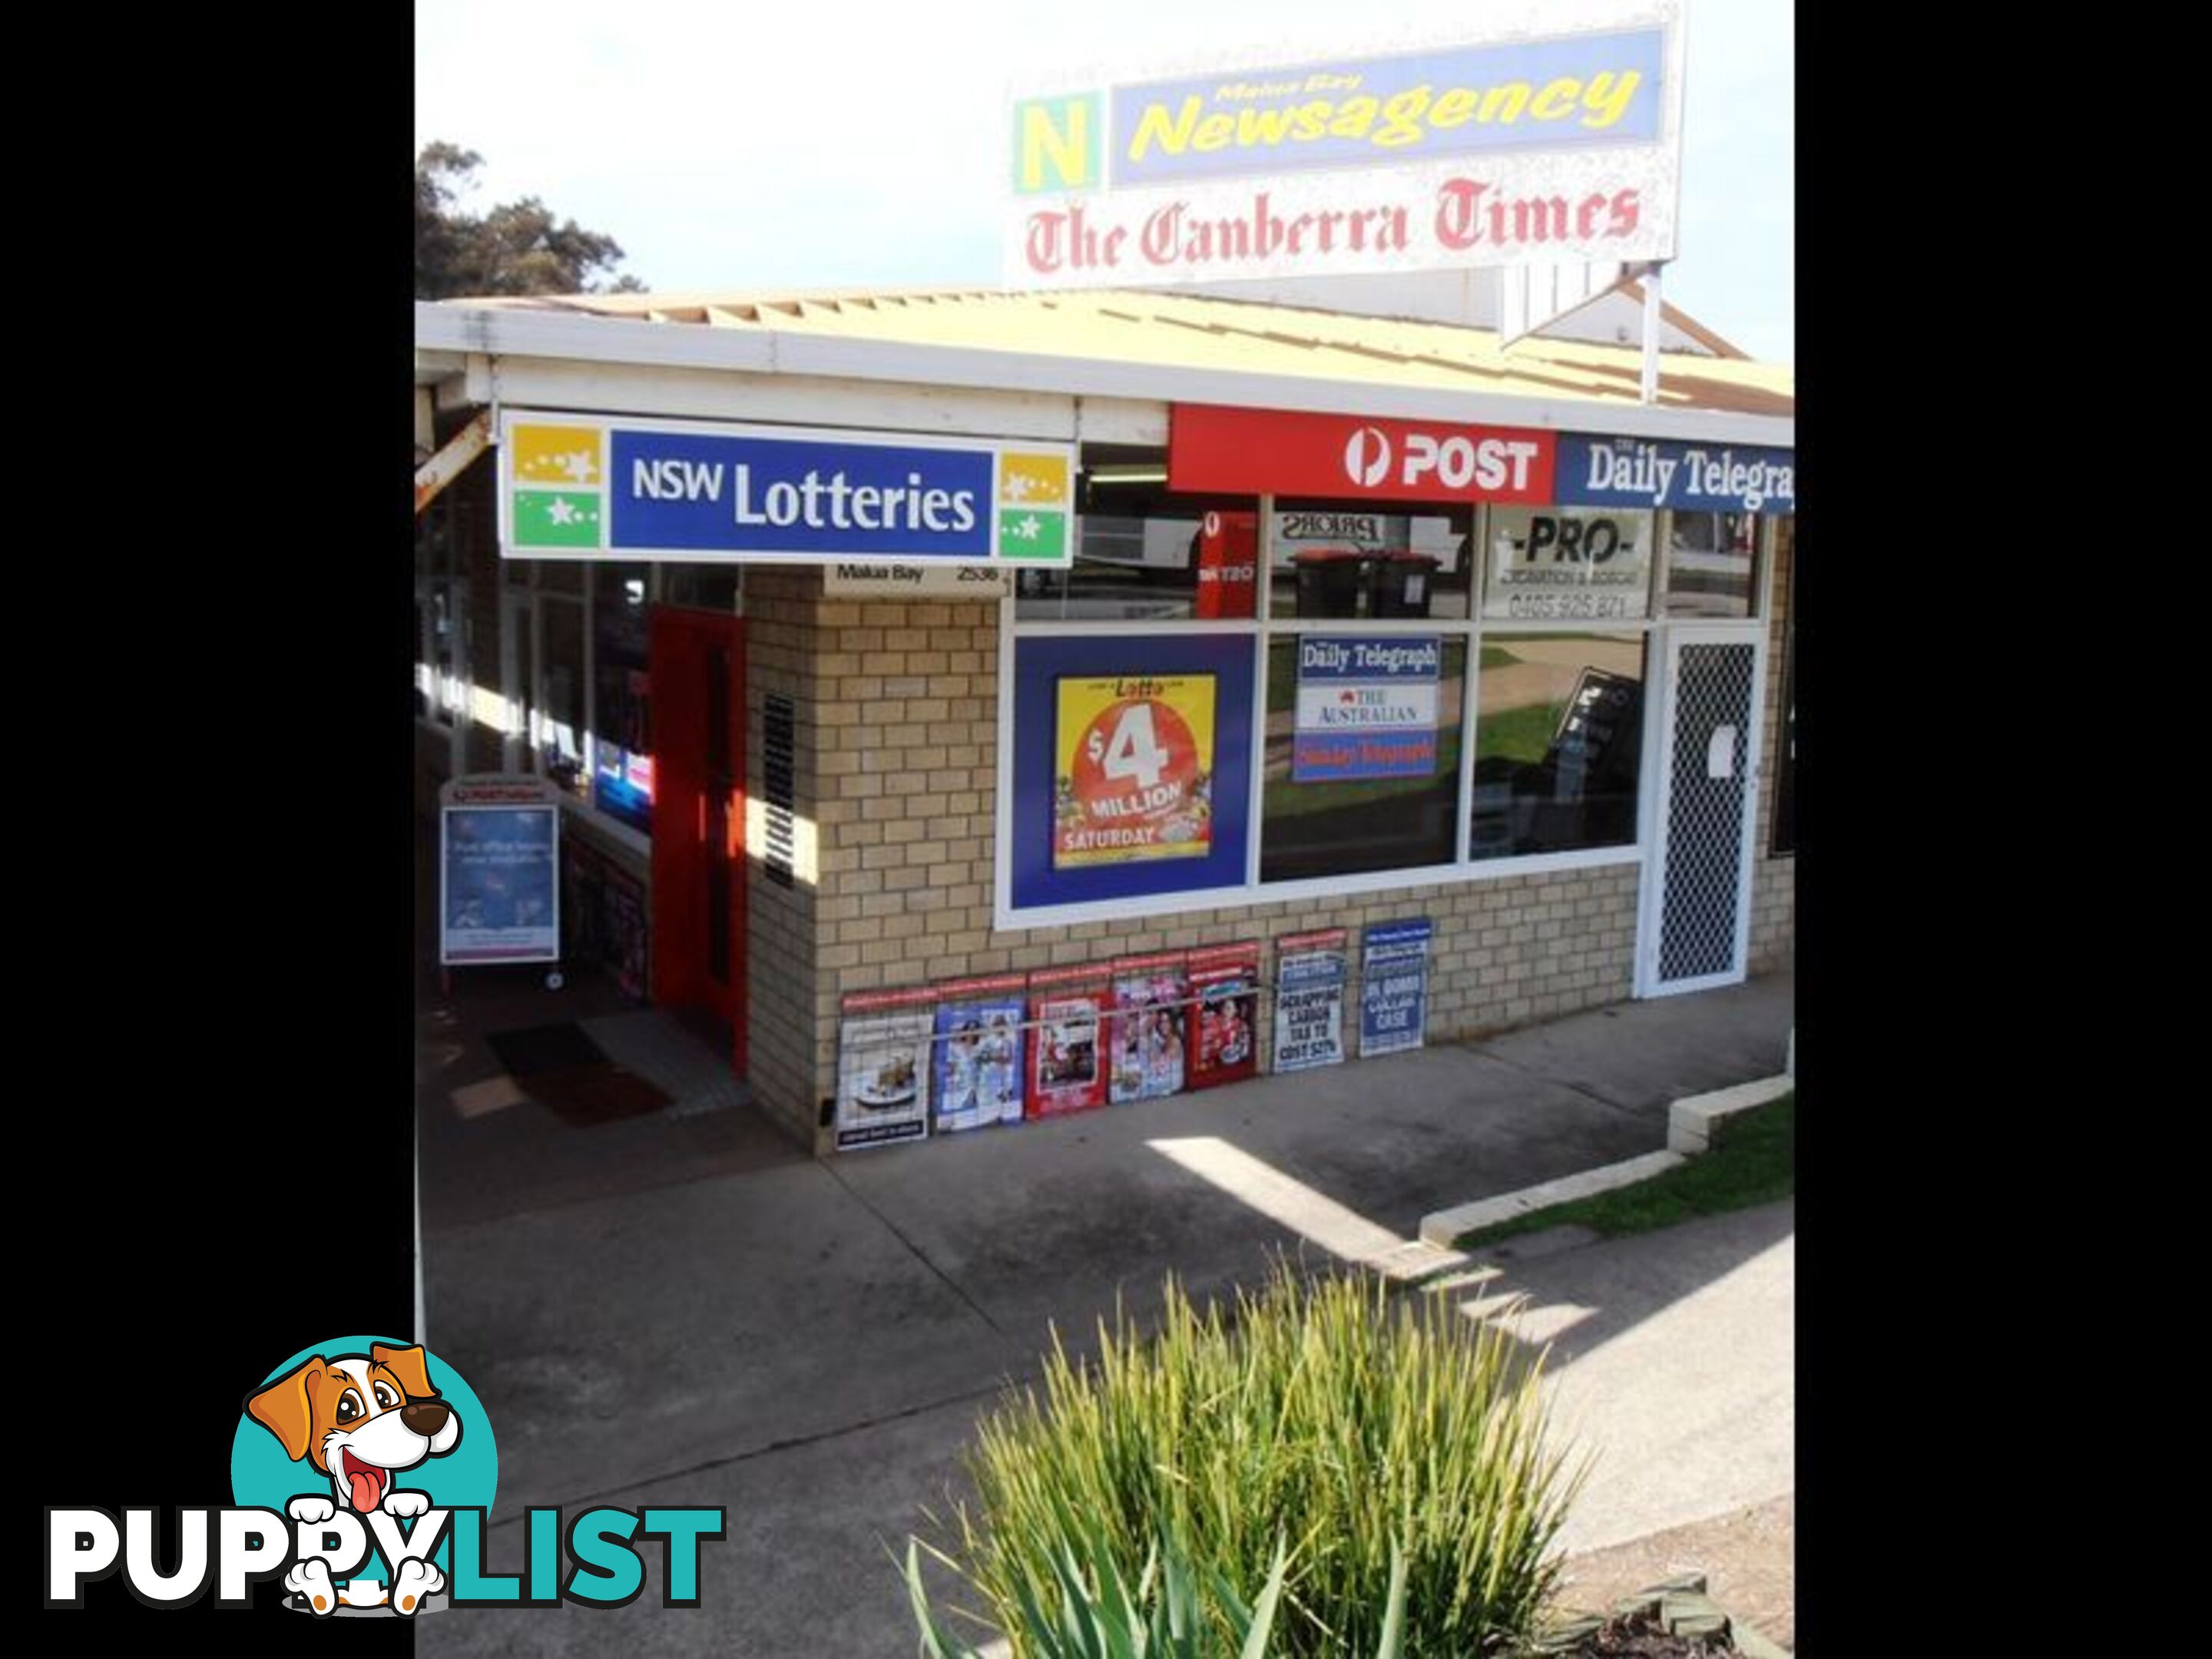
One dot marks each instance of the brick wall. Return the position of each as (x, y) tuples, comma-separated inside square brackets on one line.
[(782, 950), (897, 726), (1774, 880)]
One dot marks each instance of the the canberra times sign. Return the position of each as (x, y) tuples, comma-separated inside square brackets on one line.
[(1540, 132)]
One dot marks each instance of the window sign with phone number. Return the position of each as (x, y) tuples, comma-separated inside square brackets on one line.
[(1554, 563)]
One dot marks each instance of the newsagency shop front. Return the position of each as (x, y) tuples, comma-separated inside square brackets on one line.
[(996, 706)]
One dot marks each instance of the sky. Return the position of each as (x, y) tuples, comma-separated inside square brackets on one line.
[(739, 145)]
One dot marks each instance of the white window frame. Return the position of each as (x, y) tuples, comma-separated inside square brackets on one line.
[(1262, 628)]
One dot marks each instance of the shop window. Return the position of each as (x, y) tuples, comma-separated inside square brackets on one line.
[(1348, 559), (703, 586), (1362, 755), (1131, 766), (622, 738), (1711, 564), (1146, 555), (561, 719), (1558, 743)]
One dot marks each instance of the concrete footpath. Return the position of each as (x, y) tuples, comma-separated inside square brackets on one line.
[(810, 1343)]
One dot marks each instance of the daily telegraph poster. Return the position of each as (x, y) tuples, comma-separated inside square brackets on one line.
[(1132, 768), (977, 1062), (882, 1067), (1148, 1031), (1309, 1000), (1224, 1014), (1068, 1041), (1394, 986)]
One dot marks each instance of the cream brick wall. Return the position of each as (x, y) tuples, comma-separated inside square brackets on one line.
[(899, 713), (1774, 880)]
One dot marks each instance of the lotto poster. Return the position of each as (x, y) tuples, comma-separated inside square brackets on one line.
[(1132, 768)]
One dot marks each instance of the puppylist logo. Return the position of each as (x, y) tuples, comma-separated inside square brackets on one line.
[(362, 1472)]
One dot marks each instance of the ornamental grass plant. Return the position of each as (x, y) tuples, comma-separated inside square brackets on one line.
[(1351, 1427)]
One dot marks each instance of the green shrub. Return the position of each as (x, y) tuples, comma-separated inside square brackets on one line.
[(1356, 1429)]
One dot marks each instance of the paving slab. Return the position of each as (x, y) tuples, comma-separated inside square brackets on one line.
[(613, 1341), (1673, 1358), (1643, 1054), (807, 1569), (1055, 1219)]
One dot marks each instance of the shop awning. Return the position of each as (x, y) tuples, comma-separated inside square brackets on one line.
[(1129, 343)]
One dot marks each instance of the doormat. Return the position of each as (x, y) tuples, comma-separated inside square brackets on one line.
[(561, 1048), (561, 1068)]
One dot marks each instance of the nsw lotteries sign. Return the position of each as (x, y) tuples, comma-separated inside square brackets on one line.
[(578, 488), (1554, 135)]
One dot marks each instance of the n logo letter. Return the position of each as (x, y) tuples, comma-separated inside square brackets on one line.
[(1057, 143)]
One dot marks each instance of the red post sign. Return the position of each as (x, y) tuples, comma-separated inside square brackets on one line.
[(1291, 454)]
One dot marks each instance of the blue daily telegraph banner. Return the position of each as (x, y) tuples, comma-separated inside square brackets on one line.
[(1367, 707), (1394, 986), (1664, 473), (585, 487)]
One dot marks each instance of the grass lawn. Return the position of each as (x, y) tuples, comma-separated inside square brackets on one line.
[(1753, 1160)]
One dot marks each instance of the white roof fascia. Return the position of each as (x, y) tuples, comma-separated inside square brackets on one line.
[(503, 332)]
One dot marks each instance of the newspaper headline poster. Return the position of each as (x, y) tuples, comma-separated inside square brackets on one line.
[(883, 1068), (976, 1066), (1148, 1027), (1132, 768), (1066, 1048), (1225, 1013), (1309, 1000), (1394, 988)]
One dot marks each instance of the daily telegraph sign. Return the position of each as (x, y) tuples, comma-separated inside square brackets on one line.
[(580, 487), (1689, 477), (1554, 135)]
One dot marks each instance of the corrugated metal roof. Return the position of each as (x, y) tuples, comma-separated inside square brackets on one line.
[(1182, 331)]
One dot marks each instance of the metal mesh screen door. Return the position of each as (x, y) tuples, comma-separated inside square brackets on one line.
[(1697, 938)]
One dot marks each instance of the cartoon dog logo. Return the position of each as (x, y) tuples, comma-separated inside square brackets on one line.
[(360, 1419)]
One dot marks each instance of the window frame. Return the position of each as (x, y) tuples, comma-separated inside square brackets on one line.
[(1260, 630)]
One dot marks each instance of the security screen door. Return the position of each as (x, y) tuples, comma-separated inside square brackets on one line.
[(1697, 910)]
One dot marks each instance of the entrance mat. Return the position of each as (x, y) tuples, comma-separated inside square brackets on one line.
[(561, 1047), (563, 1070), (585, 1095)]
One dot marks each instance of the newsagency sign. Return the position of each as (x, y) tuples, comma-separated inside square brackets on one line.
[(1555, 137), (580, 487)]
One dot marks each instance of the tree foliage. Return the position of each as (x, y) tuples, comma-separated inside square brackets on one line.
[(515, 247)]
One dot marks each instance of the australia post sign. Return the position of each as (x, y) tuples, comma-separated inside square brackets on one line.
[(1289, 452), (581, 487), (1554, 135)]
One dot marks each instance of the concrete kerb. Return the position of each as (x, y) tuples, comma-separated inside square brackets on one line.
[(1691, 1122)]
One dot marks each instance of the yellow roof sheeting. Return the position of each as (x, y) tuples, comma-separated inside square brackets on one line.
[(1196, 331)]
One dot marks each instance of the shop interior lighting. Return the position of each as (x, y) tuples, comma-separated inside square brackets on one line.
[(1129, 475)]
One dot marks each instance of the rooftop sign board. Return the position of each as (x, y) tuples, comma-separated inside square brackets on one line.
[(1554, 134), (583, 486)]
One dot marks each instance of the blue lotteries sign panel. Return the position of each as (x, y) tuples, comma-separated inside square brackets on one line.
[(1701, 477), (1366, 709), (580, 487)]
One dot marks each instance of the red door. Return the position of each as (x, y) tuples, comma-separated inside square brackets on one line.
[(698, 669)]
